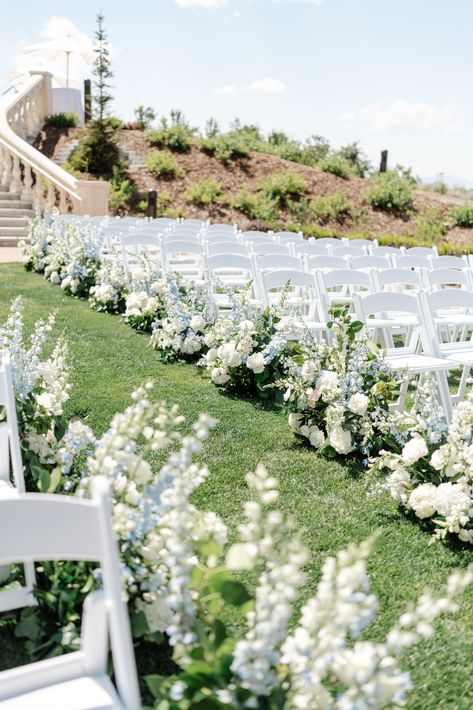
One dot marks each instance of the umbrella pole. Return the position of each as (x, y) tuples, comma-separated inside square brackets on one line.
[(67, 69)]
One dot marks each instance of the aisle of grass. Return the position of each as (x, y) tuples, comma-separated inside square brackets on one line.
[(326, 498)]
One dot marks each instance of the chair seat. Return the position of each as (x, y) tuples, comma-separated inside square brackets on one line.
[(86, 693), (417, 363), (462, 356)]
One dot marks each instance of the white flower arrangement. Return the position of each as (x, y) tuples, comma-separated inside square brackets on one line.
[(190, 311), (108, 293), (338, 393), (431, 472)]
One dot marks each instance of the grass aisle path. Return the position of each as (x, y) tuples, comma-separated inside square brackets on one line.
[(327, 499)]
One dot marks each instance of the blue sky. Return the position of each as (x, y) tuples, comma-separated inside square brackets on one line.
[(392, 74)]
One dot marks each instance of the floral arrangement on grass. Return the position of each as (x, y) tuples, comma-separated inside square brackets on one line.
[(431, 472), (41, 385), (40, 234), (338, 393), (109, 292), (247, 347), (320, 662), (190, 311)]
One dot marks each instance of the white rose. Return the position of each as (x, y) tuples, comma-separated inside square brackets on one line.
[(158, 615), (210, 356), (55, 278), (219, 376), (247, 327), (308, 369), (414, 450), (437, 460), (317, 437), (255, 362), (358, 403), (340, 439), (45, 400), (197, 323), (423, 500)]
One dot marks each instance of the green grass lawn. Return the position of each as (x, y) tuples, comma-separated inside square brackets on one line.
[(326, 498)]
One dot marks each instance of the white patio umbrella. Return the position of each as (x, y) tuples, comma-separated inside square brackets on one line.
[(68, 48)]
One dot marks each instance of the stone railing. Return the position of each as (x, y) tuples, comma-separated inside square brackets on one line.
[(29, 173)]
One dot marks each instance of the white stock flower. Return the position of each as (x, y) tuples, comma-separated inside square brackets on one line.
[(423, 500), (219, 375), (316, 437), (197, 323)]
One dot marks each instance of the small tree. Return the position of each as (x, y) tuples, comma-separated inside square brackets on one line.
[(102, 71), (145, 115)]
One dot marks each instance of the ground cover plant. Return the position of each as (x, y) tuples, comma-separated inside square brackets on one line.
[(324, 497)]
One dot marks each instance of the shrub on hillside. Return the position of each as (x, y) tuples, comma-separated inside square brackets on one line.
[(462, 216), (430, 227), (163, 165), (255, 206), (336, 165), (356, 157), (122, 190), (98, 151), (62, 120), (224, 147), (175, 133), (205, 192), (144, 115), (390, 192), (282, 187), (332, 208)]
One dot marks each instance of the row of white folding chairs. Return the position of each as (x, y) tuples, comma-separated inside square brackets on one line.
[(41, 527)]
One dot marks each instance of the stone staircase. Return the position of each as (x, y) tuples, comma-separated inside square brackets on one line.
[(14, 214), (65, 151)]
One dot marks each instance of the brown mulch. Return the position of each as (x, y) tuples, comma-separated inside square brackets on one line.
[(245, 172)]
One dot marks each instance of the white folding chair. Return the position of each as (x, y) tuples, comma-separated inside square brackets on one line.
[(413, 355), (398, 280), (11, 474), (421, 251), (446, 278), (449, 262), (302, 296), (368, 243), (369, 262), (227, 247), (310, 247), (348, 250), (386, 251), (326, 263), (51, 528), (261, 248), (338, 287), (134, 244), (270, 262), (183, 256), (449, 317), (412, 261)]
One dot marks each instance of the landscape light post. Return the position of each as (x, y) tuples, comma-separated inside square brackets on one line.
[(152, 204)]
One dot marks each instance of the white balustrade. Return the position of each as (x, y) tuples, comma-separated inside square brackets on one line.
[(28, 172)]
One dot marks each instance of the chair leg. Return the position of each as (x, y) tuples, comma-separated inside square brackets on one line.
[(444, 394)]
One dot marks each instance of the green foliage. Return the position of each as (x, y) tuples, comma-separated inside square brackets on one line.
[(462, 216), (430, 227), (102, 71), (356, 157), (224, 147), (62, 120), (255, 206), (282, 187), (337, 165), (122, 190), (174, 133), (390, 192), (211, 128), (163, 164), (144, 115), (332, 208), (98, 151), (205, 192)]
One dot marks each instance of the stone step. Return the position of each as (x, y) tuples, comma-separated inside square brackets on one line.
[(17, 232), (10, 196), (13, 221), (15, 204), (16, 212), (3, 188), (10, 241)]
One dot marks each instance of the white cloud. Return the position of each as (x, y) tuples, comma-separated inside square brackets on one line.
[(402, 115), (226, 90), (266, 86), (207, 4)]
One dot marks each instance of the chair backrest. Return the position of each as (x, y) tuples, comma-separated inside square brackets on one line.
[(449, 262), (285, 237), (421, 251), (255, 234), (446, 298), (267, 247), (330, 241), (55, 527), (349, 250), (440, 278), (229, 261), (326, 262), (345, 277), (280, 277), (369, 262), (398, 277), (412, 261), (386, 250), (370, 243), (181, 246), (278, 261), (311, 247), (227, 247), (139, 239)]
